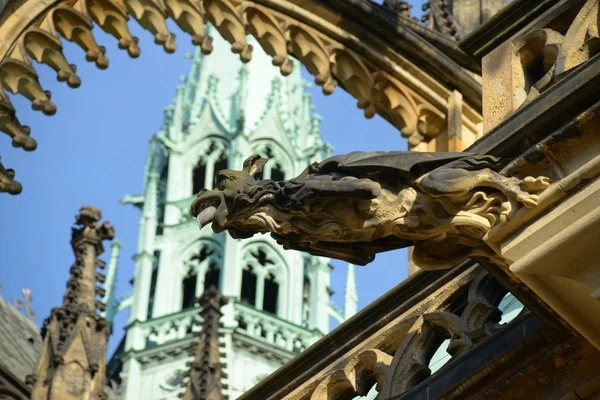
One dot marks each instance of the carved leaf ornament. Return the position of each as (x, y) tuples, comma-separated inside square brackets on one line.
[(35, 30)]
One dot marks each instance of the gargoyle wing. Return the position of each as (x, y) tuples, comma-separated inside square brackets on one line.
[(404, 164)]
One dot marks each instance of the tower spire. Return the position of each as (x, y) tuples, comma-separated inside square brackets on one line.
[(240, 98), (73, 356), (350, 293), (206, 371), (110, 283)]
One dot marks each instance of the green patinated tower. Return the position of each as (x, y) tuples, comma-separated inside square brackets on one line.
[(278, 301)]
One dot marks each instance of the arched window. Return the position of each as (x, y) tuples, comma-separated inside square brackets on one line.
[(199, 176), (248, 286), (162, 199), (277, 173), (153, 282), (189, 290), (262, 279), (202, 270), (271, 294), (221, 164), (211, 278)]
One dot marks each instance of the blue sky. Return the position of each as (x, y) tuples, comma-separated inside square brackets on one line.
[(92, 152)]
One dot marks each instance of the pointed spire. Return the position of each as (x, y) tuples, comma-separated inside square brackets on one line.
[(110, 283), (240, 99), (74, 348), (206, 371), (350, 293)]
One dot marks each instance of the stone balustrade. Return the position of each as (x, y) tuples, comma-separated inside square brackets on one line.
[(170, 327), (273, 330)]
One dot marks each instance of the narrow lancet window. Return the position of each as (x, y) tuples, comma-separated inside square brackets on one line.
[(211, 278), (199, 176), (248, 287), (189, 290), (271, 294), (153, 281), (277, 174)]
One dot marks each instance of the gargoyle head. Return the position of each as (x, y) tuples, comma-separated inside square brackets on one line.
[(355, 205), (323, 212), (235, 191)]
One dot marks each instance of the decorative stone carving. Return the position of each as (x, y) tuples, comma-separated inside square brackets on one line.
[(206, 371), (396, 356), (381, 83), (356, 205), (7, 182), (546, 54), (73, 356)]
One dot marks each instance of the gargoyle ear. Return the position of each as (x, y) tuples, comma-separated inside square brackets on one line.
[(254, 164)]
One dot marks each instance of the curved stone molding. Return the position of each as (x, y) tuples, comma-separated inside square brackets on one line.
[(381, 77), (545, 54), (395, 358)]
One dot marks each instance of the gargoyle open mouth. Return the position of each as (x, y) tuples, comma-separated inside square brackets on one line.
[(206, 207)]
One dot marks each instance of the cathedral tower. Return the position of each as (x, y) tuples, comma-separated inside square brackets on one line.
[(278, 301)]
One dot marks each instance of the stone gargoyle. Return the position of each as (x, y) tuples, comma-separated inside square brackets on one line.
[(353, 206)]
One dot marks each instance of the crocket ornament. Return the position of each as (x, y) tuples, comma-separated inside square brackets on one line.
[(353, 206)]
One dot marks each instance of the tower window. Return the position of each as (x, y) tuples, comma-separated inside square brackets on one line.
[(199, 176), (248, 286), (153, 281), (271, 294), (212, 276), (221, 164), (277, 174), (189, 290), (162, 198)]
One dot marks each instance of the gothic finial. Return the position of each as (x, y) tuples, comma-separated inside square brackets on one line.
[(77, 318), (205, 375), (25, 304)]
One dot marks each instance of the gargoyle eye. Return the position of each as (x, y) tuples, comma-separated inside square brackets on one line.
[(221, 184)]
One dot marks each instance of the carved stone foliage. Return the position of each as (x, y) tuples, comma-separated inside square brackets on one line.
[(334, 56), (546, 54), (397, 357), (356, 205), (73, 356)]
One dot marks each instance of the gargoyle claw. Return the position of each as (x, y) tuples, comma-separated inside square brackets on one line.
[(535, 185), (528, 200)]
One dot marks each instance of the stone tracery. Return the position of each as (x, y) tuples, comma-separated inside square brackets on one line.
[(282, 29)]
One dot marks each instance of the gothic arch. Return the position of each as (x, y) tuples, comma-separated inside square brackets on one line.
[(190, 262), (388, 67), (206, 157), (276, 266), (279, 156)]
